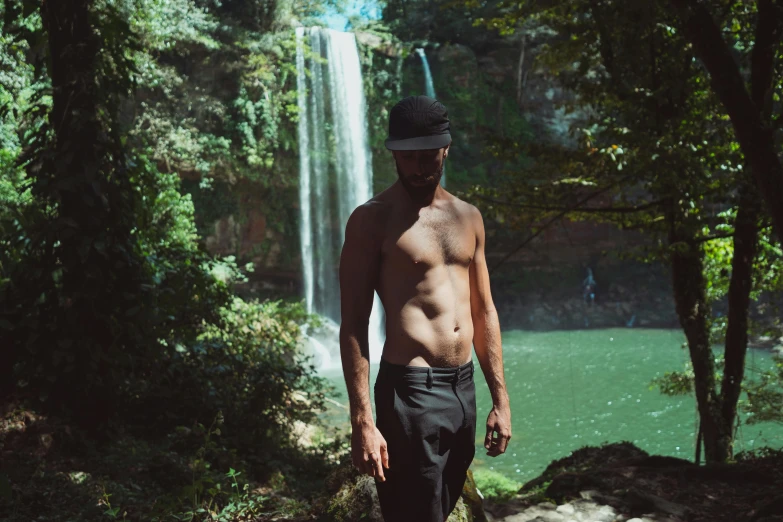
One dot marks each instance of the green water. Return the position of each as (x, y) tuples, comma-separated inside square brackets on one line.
[(574, 388)]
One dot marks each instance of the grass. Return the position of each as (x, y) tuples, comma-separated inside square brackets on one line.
[(495, 486)]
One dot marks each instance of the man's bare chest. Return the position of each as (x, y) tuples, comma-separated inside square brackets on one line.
[(429, 242)]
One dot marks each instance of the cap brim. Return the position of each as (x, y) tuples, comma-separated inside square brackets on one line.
[(420, 143)]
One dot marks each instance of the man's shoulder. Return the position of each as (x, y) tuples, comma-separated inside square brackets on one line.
[(466, 209), (366, 220), (373, 207)]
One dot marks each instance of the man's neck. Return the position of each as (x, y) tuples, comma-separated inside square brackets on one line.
[(427, 201)]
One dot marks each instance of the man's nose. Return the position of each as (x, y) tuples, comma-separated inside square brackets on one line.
[(423, 161)]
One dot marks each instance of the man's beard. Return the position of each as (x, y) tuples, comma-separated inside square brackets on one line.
[(421, 192)]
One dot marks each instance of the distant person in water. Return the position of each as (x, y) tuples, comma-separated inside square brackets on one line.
[(588, 288), (422, 250)]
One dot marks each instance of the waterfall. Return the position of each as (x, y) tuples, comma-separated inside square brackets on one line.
[(335, 175), (429, 90), (429, 87), (305, 226)]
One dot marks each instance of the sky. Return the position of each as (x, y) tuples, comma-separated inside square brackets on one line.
[(367, 9)]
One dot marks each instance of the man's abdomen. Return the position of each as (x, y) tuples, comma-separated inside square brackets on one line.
[(428, 319), (413, 338)]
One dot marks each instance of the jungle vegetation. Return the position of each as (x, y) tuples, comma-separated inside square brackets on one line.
[(679, 136), (116, 116)]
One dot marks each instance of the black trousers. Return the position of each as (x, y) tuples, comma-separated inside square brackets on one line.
[(428, 418)]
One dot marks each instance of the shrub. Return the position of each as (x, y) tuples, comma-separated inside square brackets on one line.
[(495, 486)]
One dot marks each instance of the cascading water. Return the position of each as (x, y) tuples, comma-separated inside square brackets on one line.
[(335, 172), (429, 87), (429, 90)]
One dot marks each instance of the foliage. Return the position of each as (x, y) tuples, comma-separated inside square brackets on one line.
[(146, 478), (658, 153), (767, 271), (270, 15), (205, 498), (755, 454), (763, 388), (172, 23), (16, 96), (84, 222), (441, 21), (246, 365), (216, 99), (675, 383), (765, 395), (112, 313), (474, 74), (225, 121), (495, 486), (168, 341), (382, 76)]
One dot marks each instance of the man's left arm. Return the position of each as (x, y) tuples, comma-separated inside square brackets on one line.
[(487, 342)]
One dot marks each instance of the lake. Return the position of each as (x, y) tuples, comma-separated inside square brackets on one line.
[(569, 389)]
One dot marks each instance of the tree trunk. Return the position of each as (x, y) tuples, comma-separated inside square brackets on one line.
[(755, 138), (84, 217), (746, 232), (687, 262), (745, 250)]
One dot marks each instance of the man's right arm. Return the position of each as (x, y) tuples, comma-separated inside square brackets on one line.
[(359, 265)]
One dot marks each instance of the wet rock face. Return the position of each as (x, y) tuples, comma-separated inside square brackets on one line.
[(353, 498)]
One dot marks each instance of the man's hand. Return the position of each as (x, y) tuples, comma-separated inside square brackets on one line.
[(368, 451), (498, 421)]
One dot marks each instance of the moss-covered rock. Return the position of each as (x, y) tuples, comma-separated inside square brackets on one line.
[(352, 497), (472, 500), (586, 458), (356, 500)]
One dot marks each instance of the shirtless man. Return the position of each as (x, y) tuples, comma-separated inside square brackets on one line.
[(422, 250)]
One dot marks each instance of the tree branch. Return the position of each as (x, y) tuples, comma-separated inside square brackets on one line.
[(607, 53), (762, 59), (558, 216), (755, 139), (713, 237), (617, 210)]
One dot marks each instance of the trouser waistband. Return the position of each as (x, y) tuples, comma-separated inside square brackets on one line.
[(451, 374)]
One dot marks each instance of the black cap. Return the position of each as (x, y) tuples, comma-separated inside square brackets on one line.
[(418, 123)]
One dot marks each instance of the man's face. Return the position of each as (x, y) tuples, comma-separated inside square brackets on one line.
[(420, 170)]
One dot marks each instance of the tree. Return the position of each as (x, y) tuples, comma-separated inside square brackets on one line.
[(650, 110), (755, 133), (84, 295), (90, 271)]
